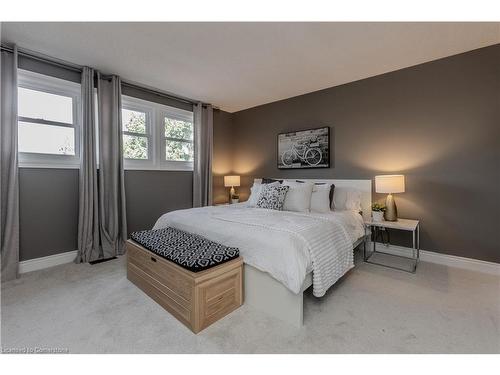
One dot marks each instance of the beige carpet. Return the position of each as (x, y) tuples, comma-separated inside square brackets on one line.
[(95, 309)]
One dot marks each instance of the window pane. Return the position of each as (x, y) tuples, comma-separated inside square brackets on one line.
[(46, 139), (135, 147), (134, 121), (178, 129), (180, 151), (42, 105)]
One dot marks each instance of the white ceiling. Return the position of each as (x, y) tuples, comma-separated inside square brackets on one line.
[(242, 65)]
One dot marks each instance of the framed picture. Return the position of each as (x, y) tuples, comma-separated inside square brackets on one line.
[(304, 149)]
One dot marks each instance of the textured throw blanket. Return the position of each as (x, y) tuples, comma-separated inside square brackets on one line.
[(328, 242), (286, 245)]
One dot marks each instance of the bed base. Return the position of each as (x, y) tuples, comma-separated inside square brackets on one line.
[(268, 295)]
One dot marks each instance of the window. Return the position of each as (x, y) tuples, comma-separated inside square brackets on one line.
[(178, 139), (156, 136), (137, 137), (48, 121)]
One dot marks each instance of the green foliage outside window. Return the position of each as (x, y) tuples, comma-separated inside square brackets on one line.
[(178, 137), (135, 147), (179, 142)]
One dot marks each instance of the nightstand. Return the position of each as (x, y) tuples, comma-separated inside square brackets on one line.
[(402, 224)]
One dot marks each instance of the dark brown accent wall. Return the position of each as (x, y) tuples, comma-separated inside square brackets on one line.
[(222, 162), (437, 123), (150, 194), (49, 205), (48, 211)]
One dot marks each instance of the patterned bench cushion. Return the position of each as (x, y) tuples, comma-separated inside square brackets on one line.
[(188, 250)]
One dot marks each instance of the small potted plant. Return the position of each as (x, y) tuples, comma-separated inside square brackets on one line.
[(378, 212)]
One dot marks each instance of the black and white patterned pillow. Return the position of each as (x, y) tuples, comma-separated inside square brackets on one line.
[(272, 197)]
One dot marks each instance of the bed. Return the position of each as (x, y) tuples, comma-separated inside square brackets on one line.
[(284, 252)]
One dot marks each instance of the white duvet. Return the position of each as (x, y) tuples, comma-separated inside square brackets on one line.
[(287, 245)]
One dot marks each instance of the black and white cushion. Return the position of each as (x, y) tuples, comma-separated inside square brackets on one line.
[(255, 191), (188, 250), (272, 197)]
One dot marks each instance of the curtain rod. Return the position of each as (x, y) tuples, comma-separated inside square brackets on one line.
[(44, 58), (158, 92), (78, 68)]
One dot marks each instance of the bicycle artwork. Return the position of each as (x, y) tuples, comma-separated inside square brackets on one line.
[(304, 149)]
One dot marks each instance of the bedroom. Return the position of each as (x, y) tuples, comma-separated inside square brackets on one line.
[(233, 185)]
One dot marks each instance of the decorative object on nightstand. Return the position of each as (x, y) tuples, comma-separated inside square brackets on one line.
[(232, 181), (378, 212), (402, 224), (390, 184)]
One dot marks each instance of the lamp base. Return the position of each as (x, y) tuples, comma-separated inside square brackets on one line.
[(391, 211), (231, 194)]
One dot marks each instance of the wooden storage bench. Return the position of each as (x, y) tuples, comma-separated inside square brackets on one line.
[(197, 299)]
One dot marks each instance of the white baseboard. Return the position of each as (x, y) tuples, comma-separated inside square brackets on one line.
[(444, 259), (425, 256), (46, 262)]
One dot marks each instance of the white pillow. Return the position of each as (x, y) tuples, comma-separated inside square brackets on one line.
[(353, 200), (298, 198), (255, 191), (346, 199), (320, 198)]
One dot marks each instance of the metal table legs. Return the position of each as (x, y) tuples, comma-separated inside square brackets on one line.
[(415, 251)]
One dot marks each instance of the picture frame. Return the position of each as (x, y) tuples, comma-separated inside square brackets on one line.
[(304, 149)]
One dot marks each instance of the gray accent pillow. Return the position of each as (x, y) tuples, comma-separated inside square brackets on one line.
[(266, 180), (272, 197)]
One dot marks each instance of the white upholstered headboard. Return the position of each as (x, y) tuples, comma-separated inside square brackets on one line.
[(364, 186)]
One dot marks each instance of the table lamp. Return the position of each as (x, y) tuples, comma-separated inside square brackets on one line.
[(390, 184), (231, 181)]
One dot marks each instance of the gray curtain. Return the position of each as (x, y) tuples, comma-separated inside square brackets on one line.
[(9, 182), (112, 213), (203, 145), (88, 214), (102, 227)]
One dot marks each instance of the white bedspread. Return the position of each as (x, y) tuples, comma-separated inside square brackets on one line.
[(287, 245)]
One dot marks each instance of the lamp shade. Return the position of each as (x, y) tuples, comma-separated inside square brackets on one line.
[(389, 184), (231, 181)]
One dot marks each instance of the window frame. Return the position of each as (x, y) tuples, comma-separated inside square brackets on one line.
[(51, 85), (133, 104), (176, 114), (157, 142)]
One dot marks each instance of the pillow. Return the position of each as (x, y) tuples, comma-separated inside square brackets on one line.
[(347, 199), (320, 198), (272, 197), (255, 192), (330, 193), (353, 200), (266, 180), (298, 197)]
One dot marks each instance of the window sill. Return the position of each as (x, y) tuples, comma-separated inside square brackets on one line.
[(66, 166), (136, 165), (49, 166), (166, 169)]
